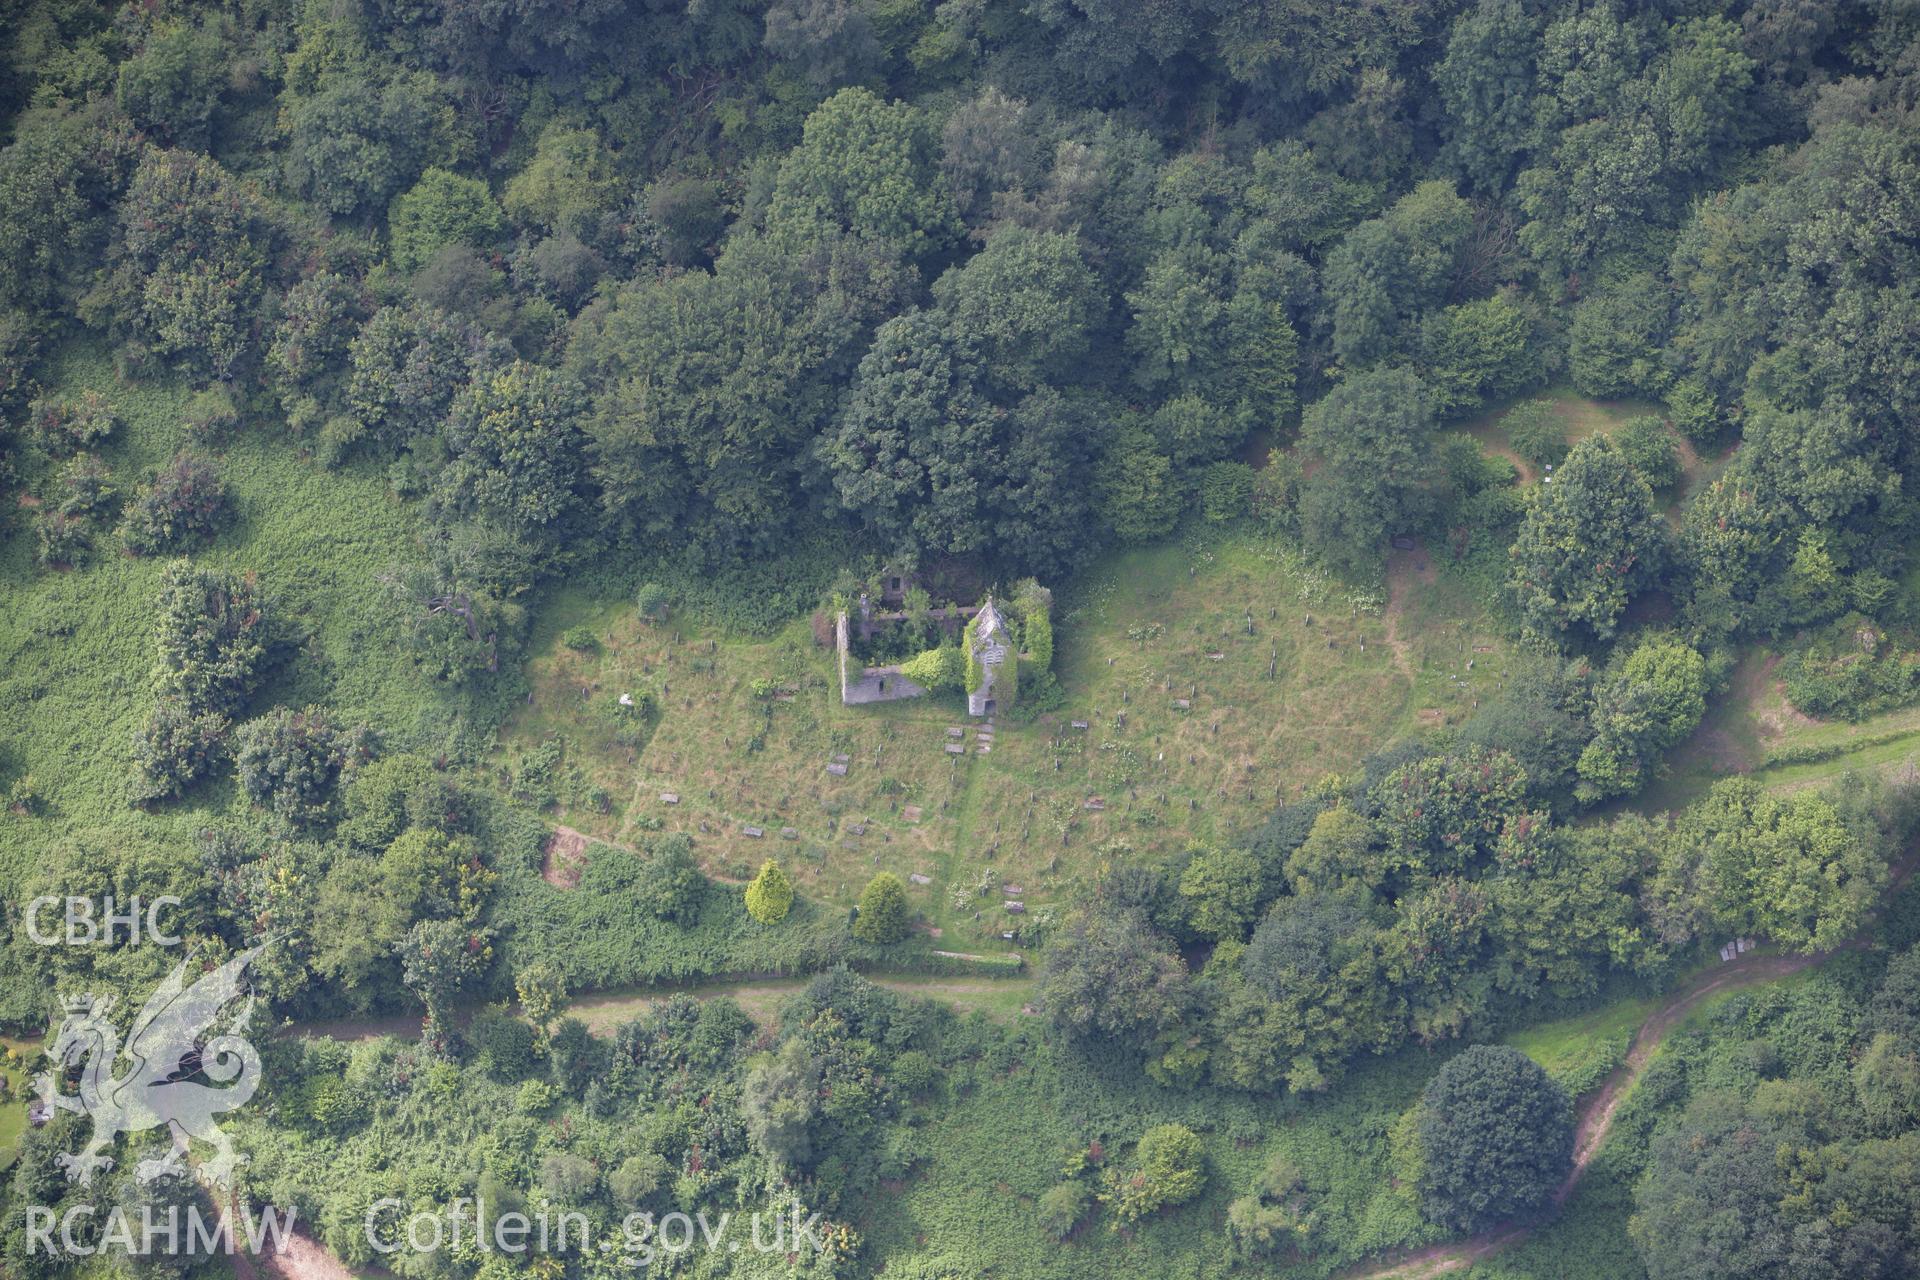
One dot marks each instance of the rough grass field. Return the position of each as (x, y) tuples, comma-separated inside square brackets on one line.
[(1286, 677), (76, 645)]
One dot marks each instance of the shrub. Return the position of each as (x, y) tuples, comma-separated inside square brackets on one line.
[(1614, 343), (19, 351), (210, 632), (1275, 500), (1063, 1207), (442, 209), (1169, 1168), (1226, 491), (568, 184), (770, 896), (690, 215), (580, 639), (1478, 351), (914, 1072), (652, 602), (336, 439), (671, 884), (505, 1045), (186, 500), (62, 539), (317, 323), (23, 796), (937, 670), (175, 748), (1536, 434), (1648, 449), (62, 425), (211, 414), (1035, 603), (1850, 671), (1268, 1216), (560, 266), (1695, 414), (883, 910), (637, 1178), (289, 761), (1646, 700), (85, 480), (534, 1097)]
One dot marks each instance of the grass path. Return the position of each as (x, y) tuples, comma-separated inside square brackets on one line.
[(602, 1011), (1405, 570)]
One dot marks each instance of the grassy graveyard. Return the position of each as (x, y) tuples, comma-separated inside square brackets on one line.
[(1213, 677)]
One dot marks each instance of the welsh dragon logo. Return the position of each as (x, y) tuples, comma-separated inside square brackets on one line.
[(166, 1046)]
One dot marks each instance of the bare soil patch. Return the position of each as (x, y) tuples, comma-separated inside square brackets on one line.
[(566, 858)]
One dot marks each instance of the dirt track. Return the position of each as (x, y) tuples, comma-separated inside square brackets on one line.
[(1596, 1116)]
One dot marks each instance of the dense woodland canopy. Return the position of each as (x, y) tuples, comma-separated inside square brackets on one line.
[(1003, 281), (757, 293)]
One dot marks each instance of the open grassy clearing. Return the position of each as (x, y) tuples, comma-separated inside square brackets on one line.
[(1753, 729), (1585, 1047), (1000, 999), (1285, 676), (19, 1092), (76, 645), (1580, 417)]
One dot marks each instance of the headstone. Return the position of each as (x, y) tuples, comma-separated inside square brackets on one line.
[(837, 769), (917, 878), (956, 732), (1182, 704), (752, 833), (1080, 724), (789, 833), (669, 797), (1016, 908), (856, 828), (955, 749), (1094, 803)]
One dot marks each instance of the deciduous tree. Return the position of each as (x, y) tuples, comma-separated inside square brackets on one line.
[(1498, 1137)]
